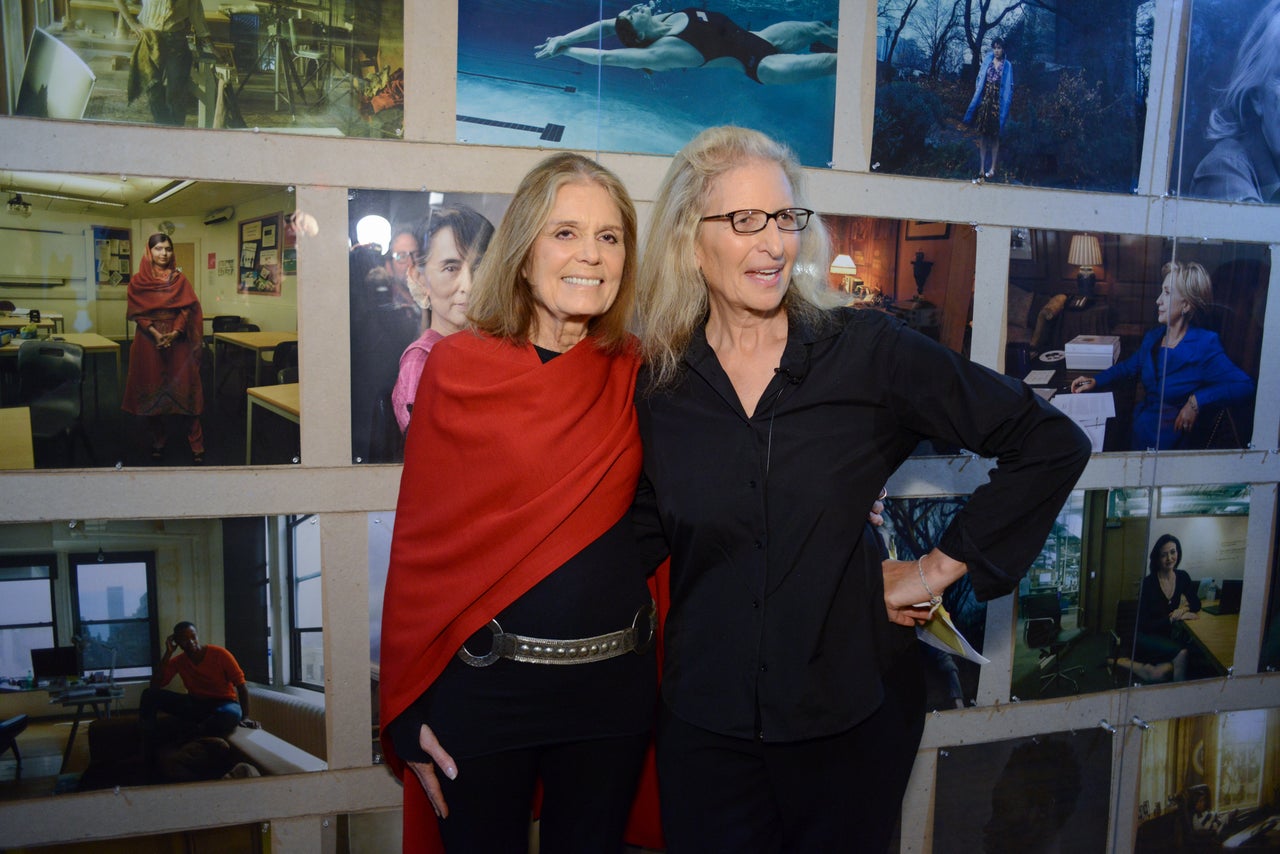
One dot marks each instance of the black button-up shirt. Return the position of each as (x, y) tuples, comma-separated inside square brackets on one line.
[(776, 598)]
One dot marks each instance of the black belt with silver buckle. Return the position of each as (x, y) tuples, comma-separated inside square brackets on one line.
[(637, 638)]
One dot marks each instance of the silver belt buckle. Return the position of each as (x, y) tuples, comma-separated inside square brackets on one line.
[(488, 658)]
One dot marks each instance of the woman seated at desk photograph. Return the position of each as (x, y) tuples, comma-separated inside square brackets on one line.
[(1181, 364), (1168, 597)]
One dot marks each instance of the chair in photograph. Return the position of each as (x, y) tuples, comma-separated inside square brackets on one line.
[(220, 323), (50, 375), (9, 731), (312, 55), (285, 356), (1044, 632), (239, 362), (1124, 633)]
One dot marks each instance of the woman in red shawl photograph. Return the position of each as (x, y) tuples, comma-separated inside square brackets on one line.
[(517, 632), (164, 359)]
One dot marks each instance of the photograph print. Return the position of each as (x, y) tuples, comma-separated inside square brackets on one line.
[(1046, 793), (1013, 91), (1169, 331), (647, 77), (1228, 144)]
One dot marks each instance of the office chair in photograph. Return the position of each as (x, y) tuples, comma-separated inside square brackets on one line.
[(1044, 632), (313, 56), (283, 357), (50, 374), (9, 731)]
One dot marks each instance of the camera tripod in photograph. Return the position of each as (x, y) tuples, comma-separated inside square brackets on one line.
[(280, 49)]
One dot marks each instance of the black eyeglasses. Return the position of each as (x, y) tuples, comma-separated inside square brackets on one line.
[(752, 221)]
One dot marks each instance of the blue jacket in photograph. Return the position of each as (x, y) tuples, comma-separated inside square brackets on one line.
[(1198, 365), (1006, 89)]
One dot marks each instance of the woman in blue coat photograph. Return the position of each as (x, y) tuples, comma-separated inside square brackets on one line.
[(1182, 365), (989, 109)]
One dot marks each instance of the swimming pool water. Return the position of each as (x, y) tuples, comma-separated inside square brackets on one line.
[(517, 96)]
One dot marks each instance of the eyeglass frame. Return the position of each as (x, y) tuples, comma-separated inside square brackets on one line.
[(767, 216), (401, 255)]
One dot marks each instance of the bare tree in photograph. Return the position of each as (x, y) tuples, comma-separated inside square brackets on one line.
[(888, 9), (937, 29)]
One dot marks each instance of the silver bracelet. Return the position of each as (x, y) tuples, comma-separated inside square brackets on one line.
[(934, 599)]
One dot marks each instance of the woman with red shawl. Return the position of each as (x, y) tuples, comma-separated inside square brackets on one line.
[(164, 360), (517, 628)]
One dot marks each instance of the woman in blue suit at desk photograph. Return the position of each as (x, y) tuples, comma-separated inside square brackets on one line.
[(1181, 364)]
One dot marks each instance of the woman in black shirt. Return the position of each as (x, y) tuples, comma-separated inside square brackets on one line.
[(791, 707)]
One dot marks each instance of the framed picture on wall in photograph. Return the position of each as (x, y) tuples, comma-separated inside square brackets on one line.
[(923, 229)]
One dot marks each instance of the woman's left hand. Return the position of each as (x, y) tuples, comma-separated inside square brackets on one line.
[(905, 600), (1187, 415), (906, 594)]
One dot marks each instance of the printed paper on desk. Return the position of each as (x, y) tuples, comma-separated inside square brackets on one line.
[(941, 633), (1090, 411)]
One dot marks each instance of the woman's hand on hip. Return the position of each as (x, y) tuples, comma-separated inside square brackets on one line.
[(426, 771), (910, 584), (905, 599)]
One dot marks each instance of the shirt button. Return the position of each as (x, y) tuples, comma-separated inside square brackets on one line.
[(764, 668), (755, 603), (751, 483), (757, 545)]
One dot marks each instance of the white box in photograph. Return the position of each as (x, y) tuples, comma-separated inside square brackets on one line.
[(1092, 352)]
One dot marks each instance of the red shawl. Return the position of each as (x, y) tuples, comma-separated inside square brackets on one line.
[(512, 468), (152, 289)]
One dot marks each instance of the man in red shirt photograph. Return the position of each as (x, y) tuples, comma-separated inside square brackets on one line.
[(216, 701)]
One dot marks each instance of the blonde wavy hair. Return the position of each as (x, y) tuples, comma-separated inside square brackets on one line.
[(672, 294), (1191, 282), (502, 300)]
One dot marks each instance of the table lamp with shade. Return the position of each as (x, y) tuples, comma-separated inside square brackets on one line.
[(1085, 253), (844, 266)]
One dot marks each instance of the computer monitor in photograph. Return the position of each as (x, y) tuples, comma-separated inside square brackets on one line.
[(55, 665)]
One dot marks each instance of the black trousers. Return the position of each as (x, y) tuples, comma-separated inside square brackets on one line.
[(840, 793), (587, 789)]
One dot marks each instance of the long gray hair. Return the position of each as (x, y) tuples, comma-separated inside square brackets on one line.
[(671, 292)]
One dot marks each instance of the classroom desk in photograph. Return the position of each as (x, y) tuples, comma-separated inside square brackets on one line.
[(281, 399), (1215, 635), (16, 451), (93, 344), (19, 322), (48, 320), (258, 343)]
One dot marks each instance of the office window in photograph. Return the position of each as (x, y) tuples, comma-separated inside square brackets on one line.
[(307, 638), (114, 599), (26, 611)]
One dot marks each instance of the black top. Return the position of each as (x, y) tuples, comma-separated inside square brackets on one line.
[(776, 595), (1154, 608), (508, 705)]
